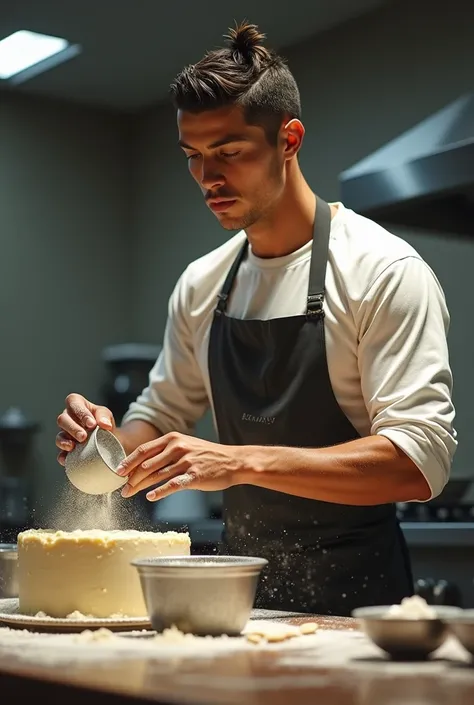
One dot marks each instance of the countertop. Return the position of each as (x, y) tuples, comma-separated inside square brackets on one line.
[(439, 534), (336, 666), (417, 534)]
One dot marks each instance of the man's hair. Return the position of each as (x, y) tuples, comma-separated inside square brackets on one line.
[(244, 73)]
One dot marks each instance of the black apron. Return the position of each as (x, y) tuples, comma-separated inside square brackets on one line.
[(271, 386)]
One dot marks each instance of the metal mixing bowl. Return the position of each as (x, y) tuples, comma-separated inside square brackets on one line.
[(462, 626), (8, 570), (202, 595), (405, 639)]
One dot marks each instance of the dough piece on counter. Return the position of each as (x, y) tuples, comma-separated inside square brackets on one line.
[(271, 632), (62, 572), (308, 628), (254, 638)]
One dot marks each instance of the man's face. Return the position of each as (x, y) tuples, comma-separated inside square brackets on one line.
[(240, 174)]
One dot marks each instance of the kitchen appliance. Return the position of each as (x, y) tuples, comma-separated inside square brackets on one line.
[(16, 447), (8, 570), (422, 178), (127, 368), (449, 506), (127, 371), (439, 592)]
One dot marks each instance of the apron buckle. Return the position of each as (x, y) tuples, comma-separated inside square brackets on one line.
[(221, 303), (314, 308)]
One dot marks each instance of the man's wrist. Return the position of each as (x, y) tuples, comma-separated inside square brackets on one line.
[(124, 440), (135, 433), (252, 461)]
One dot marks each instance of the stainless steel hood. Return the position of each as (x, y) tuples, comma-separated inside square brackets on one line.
[(424, 177)]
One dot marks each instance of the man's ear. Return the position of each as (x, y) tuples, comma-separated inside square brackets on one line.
[(292, 134)]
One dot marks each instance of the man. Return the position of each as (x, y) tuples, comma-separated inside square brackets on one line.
[(318, 339)]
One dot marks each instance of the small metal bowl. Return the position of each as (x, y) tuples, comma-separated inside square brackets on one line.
[(405, 639), (91, 465), (462, 626), (202, 595), (8, 570)]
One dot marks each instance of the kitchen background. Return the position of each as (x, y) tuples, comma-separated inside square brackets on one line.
[(99, 217)]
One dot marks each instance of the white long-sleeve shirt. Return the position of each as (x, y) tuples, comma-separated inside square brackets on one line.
[(386, 326)]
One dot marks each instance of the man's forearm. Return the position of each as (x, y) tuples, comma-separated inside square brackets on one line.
[(135, 433), (366, 471)]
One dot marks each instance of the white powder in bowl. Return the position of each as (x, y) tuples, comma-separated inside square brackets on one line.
[(414, 607)]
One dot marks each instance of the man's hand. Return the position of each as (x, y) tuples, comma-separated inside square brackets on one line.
[(182, 463), (78, 419)]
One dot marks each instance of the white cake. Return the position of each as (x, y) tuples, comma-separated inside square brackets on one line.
[(88, 572)]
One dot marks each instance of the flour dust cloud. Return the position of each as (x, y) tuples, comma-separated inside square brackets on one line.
[(74, 509)]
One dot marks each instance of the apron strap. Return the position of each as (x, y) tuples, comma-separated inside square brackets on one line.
[(317, 272), (229, 280), (319, 259)]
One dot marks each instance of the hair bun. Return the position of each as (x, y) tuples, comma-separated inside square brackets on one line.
[(245, 41)]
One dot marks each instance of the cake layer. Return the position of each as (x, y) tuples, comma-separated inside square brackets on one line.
[(61, 572)]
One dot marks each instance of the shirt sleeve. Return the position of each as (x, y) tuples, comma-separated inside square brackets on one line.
[(404, 367), (175, 398)]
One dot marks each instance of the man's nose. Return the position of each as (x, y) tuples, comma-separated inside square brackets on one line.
[(211, 177)]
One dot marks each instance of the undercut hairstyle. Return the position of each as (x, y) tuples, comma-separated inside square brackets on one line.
[(244, 73)]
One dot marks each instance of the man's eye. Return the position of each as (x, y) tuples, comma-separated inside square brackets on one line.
[(192, 156), (230, 154)]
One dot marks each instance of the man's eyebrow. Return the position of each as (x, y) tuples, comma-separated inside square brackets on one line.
[(232, 137)]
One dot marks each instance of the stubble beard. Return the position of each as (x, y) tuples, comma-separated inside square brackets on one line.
[(242, 223)]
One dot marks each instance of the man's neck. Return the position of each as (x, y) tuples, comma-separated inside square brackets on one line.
[(289, 226)]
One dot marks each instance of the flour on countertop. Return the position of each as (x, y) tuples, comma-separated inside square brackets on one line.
[(327, 649), (103, 644)]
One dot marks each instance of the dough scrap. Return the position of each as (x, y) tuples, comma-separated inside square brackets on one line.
[(308, 628), (273, 633)]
